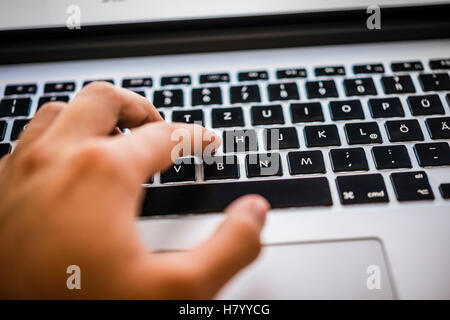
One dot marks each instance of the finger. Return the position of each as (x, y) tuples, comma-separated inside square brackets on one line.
[(99, 107)]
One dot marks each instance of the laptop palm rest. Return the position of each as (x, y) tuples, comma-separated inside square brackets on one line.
[(353, 269)]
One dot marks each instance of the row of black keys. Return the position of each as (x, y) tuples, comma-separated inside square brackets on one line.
[(355, 189)]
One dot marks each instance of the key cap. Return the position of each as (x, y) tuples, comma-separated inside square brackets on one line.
[(206, 96), (349, 159), (386, 108), (5, 148), (137, 82), (391, 157), (15, 107), (175, 80), (406, 66), (306, 112), (368, 68), (291, 73), (263, 165), (322, 136), (214, 78), (20, 89), (403, 130), (162, 115), (432, 154), (2, 129), (139, 92), (444, 188), (53, 87), (306, 162), (253, 75), (240, 141), (221, 167), (104, 80), (366, 188), (18, 127), (398, 84), (227, 117), (440, 64), (321, 89), (359, 87), (168, 98), (346, 110), (214, 197), (281, 138), (409, 186), (283, 91), (439, 128), (425, 105), (245, 94), (362, 133), (434, 81), (191, 116), (263, 115), (180, 171), (46, 99), (330, 71)]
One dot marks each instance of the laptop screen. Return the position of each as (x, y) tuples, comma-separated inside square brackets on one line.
[(26, 14)]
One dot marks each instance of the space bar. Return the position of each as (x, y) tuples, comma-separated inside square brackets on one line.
[(214, 197)]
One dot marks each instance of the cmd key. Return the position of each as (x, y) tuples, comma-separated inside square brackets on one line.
[(367, 188)]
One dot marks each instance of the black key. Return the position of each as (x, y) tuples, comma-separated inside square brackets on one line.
[(221, 167), (180, 171), (391, 157), (321, 89), (363, 133), (398, 84), (322, 136), (435, 81), (368, 68), (412, 186), (214, 197), (263, 165), (227, 117), (403, 130), (5, 148), (18, 127), (306, 112), (386, 108), (330, 71), (137, 82), (20, 89), (46, 99), (291, 73), (425, 105), (175, 80), (406, 66), (445, 190), (204, 96), (191, 116), (359, 87), (15, 107), (281, 138), (283, 91), (2, 129), (432, 154), (245, 94), (168, 98), (59, 87), (267, 115), (439, 128), (139, 92), (162, 115), (253, 75), (104, 80), (440, 64), (350, 159), (240, 141), (306, 162), (214, 78), (366, 188), (346, 110)]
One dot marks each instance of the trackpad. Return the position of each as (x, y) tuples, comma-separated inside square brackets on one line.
[(323, 270)]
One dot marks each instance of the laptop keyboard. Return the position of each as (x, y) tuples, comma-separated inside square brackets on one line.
[(353, 117)]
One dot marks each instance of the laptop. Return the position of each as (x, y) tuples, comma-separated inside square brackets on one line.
[(351, 100)]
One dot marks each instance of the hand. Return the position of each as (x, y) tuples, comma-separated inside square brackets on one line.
[(70, 193)]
